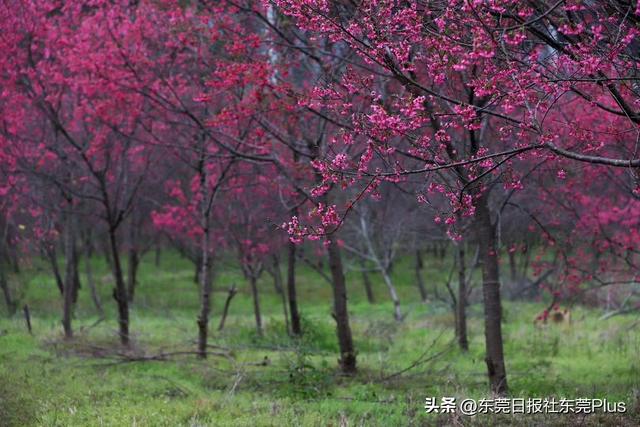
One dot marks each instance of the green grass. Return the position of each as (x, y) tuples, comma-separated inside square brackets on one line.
[(47, 381)]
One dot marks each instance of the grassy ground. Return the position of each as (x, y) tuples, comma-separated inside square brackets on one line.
[(276, 381)]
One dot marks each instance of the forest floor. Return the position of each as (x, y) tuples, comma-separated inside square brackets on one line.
[(278, 381)]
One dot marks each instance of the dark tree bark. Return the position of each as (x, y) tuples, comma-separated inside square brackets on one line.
[(69, 277), (88, 271), (256, 303), (12, 305), (277, 284), (461, 301), (276, 274), (366, 281), (525, 262), (205, 291), (296, 328), (120, 291), (512, 266), (77, 285), (340, 313), (419, 279), (106, 248), (52, 256), (132, 271), (225, 311), (491, 295)]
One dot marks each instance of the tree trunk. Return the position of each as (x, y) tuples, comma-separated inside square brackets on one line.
[(491, 295), (340, 313), (69, 277), (256, 303), (76, 274), (53, 261), (88, 271), (225, 311), (419, 279), (366, 281), (397, 313), (205, 293), (296, 328), (132, 271), (12, 306), (525, 263), (277, 275), (120, 291), (461, 301), (106, 247), (512, 265)]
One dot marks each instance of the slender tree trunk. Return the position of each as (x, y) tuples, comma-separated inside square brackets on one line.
[(205, 292), (461, 301), (120, 291), (366, 281), (76, 274), (397, 313), (277, 275), (419, 279), (69, 278), (277, 284), (340, 313), (106, 247), (256, 303), (296, 328), (491, 295), (525, 263), (12, 306), (132, 271), (512, 266), (53, 261), (88, 271), (225, 311)]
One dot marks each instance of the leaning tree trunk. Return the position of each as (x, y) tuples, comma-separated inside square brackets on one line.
[(461, 301), (69, 277), (397, 313), (419, 280), (120, 291), (340, 313), (296, 328), (366, 281), (256, 303), (491, 295), (225, 311), (53, 261)]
